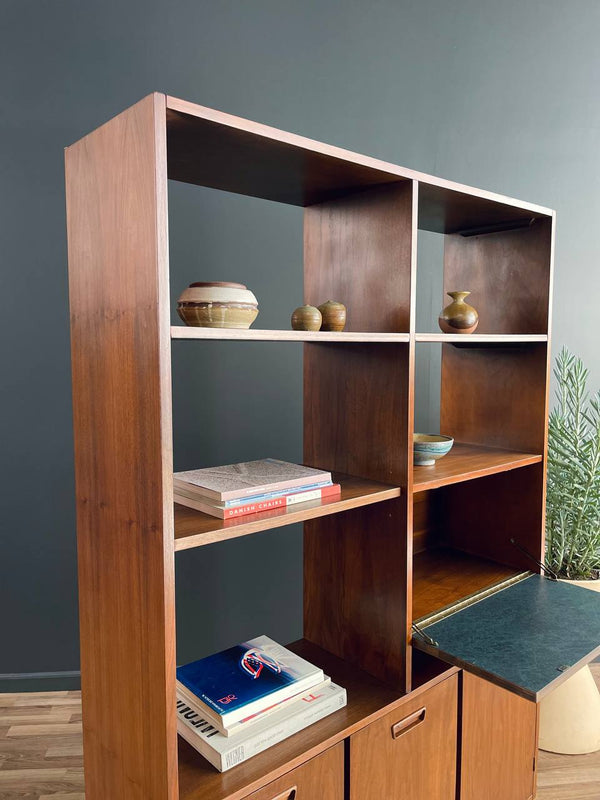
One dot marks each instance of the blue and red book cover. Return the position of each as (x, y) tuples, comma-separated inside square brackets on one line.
[(246, 679)]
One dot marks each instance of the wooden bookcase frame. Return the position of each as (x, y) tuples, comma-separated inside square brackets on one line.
[(360, 231)]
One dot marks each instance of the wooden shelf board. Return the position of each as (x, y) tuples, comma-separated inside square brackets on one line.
[(482, 339), (368, 699), (442, 577), (466, 462), (212, 148), (255, 335), (194, 529)]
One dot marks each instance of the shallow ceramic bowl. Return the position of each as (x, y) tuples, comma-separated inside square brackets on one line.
[(217, 305), (429, 447)]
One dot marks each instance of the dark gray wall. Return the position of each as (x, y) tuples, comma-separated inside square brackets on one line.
[(500, 95)]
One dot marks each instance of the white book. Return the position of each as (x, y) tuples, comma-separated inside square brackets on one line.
[(226, 752), (235, 684), (249, 478), (245, 724)]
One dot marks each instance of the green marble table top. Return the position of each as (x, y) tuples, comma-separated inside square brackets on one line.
[(525, 637)]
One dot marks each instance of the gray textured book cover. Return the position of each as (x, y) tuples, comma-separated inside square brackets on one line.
[(250, 477)]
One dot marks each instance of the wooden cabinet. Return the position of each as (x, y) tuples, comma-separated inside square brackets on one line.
[(321, 777), (499, 738), (411, 752)]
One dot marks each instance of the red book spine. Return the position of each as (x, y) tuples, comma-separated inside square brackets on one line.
[(282, 502)]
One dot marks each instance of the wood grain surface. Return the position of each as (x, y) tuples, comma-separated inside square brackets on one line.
[(358, 251), (118, 278), (442, 577), (473, 339), (356, 420), (411, 752), (322, 777), (361, 250), (254, 334), (481, 518), (508, 275), (195, 529), (495, 397), (499, 732), (41, 750), (467, 461)]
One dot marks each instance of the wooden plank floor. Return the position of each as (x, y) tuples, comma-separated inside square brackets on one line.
[(570, 777), (41, 754), (40, 746)]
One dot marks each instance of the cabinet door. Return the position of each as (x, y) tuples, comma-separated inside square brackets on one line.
[(410, 754), (499, 734), (322, 777)]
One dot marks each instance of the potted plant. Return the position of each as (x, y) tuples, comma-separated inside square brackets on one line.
[(570, 715), (573, 487)]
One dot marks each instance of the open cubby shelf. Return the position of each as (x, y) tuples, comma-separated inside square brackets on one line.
[(362, 585), (194, 529), (467, 462), (255, 335), (443, 576), (368, 700), (211, 148)]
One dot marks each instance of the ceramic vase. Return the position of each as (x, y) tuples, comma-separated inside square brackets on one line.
[(458, 317), (217, 305), (334, 316), (306, 318)]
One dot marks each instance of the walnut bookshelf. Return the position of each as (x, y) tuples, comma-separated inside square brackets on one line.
[(401, 543)]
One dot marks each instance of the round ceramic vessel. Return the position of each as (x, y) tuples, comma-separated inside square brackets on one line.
[(306, 318), (217, 305), (334, 316), (429, 447), (458, 317)]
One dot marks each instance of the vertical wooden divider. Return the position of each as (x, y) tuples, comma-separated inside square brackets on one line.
[(359, 249), (116, 184)]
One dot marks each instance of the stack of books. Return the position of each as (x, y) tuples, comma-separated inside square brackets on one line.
[(251, 487), (237, 703)]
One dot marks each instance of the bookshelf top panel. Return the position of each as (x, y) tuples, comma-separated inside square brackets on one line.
[(222, 151)]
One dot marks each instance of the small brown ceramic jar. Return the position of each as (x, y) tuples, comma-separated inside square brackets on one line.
[(334, 316), (306, 318)]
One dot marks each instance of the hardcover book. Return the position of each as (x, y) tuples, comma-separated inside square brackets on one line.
[(289, 718), (249, 478), (245, 724), (189, 490), (243, 680), (185, 498)]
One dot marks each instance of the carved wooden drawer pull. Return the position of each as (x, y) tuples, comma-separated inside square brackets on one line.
[(289, 794), (407, 724)]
